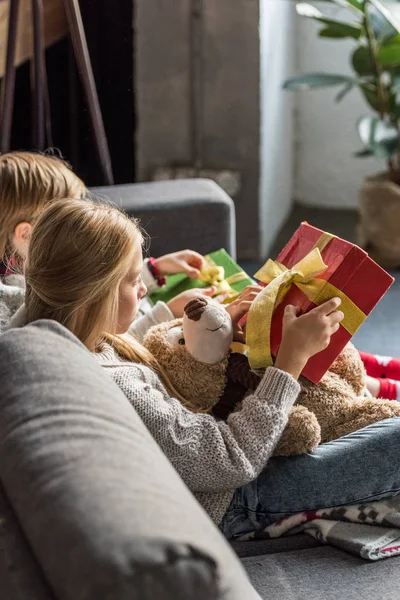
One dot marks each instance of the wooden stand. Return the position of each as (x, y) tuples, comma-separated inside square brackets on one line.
[(41, 104)]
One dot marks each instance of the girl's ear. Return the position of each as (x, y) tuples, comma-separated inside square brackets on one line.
[(23, 231), (22, 234)]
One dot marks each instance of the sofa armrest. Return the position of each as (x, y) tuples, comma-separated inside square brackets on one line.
[(20, 575), (179, 214), (104, 512)]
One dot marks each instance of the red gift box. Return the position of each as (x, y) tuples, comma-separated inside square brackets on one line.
[(350, 270)]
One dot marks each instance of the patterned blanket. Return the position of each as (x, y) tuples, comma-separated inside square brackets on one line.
[(371, 530)]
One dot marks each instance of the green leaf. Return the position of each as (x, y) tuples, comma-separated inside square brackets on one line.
[(390, 10), (335, 28), (354, 5), (310, 81), (396, 111), (382, 28), (396, 82), (339, 31), (380, 137), (370, 94), (344, 91), (362, 61), (389, 53)]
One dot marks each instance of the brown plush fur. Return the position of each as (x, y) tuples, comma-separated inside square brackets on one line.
[(332, 408), (199, 383), (337, 401)]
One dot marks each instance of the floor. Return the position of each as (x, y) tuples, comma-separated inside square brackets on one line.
[(381, 331)]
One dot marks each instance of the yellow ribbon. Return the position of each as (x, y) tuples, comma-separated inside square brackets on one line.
[(213, 274), (279, 279)]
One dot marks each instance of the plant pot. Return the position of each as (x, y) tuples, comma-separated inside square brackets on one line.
[(378, 229)]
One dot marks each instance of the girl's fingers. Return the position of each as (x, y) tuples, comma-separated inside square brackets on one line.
[(336, 317), (252, 289), (208, 291), (291, 311), (221, 297), (240, 310), (328, 307), (335, 328)]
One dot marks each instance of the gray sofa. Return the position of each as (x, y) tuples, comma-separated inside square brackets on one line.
[(90, 509)]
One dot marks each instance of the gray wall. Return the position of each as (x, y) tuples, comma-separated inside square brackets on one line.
[(230, 93), (328, 173), (277, 62)]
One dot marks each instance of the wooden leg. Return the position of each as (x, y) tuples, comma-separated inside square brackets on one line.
[(82, 58), (9, 78), (39, 75), (47, 113)]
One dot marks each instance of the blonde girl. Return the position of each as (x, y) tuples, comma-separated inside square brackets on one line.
[(226, 465)]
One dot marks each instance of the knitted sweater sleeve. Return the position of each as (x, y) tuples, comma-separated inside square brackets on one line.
[(211, 455), (11, 299)]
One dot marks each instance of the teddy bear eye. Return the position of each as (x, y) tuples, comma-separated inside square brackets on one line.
[(181, 341)]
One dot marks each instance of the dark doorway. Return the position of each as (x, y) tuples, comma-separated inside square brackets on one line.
[(109, 30)]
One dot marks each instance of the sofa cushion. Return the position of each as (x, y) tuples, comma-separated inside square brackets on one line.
[(323, 573), (104, 512), (183, 213), (21, 577)]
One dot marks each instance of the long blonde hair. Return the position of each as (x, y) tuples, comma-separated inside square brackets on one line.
[(78, 255), (28, 182)]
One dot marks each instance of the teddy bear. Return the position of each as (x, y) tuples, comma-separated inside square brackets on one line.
[(195, 353)]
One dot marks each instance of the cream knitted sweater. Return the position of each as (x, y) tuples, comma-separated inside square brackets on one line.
[(212, 457), (12, 295)]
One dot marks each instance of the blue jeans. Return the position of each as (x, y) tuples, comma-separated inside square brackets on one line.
[(360, 467)]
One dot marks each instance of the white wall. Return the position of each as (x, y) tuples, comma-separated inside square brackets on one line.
[(277, 62), (327, 173)]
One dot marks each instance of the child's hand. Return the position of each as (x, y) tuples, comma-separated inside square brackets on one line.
[(185, 261), (239, 307), (304, 336), (177, 304)]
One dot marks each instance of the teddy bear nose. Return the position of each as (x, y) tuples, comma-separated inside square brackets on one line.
[(195, 308)]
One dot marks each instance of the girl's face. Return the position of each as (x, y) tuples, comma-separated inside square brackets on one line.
[(131, 290)]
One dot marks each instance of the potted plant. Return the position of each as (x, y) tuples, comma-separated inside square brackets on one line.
[(374, 25)]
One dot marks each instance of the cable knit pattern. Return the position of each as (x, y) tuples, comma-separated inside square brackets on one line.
[(212, 457), (11, 298)]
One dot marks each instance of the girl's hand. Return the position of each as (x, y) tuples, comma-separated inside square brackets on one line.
[(185, 261), (239, 307), (177, 304), (304, 336)]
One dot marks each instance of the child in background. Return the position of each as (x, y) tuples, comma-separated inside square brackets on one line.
[(29, 182)]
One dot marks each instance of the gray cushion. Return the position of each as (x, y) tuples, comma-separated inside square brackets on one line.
[(185, 213), (323, 573), (21, 577), (102, 508)]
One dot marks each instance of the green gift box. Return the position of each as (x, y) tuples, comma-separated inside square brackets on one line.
[(180, 283)]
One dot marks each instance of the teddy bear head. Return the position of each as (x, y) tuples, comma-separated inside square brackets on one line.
[(194, 351)]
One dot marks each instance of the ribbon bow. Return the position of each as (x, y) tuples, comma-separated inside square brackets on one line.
[(279, 279), (213, 274)]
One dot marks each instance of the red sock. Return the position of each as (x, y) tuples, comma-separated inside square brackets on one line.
[(389, 389), (381, 366)]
